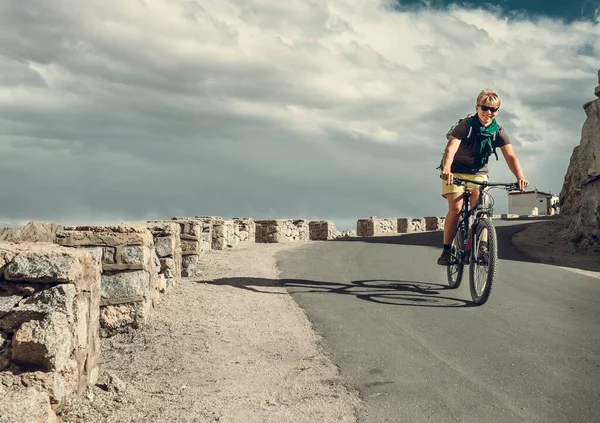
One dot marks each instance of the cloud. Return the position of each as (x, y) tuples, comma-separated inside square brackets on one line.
[(330, 109)]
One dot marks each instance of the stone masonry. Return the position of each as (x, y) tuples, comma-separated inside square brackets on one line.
[(130, 271), (376, 226), (282, 230), (49, 328), (321, 230), (167, 244), (225, 233), (434, 223), (408, 225), (193, 244), (246, 228), (217, 233)]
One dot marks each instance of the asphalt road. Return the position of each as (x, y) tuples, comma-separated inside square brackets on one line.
[(417, 351)]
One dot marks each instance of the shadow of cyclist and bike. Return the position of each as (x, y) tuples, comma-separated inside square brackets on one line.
[(388, 292)]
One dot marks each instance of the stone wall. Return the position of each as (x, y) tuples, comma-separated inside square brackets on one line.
[(225, 234), (49, 327), (167, 244), (410, 225), (193, 244), (321, 230), (434, 223), (365, 227), (580, 194), (246, 228), (282, 230), (130, 280), (217, 233), (376, 226)]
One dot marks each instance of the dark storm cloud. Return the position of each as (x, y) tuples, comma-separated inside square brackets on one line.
[(114, 111)]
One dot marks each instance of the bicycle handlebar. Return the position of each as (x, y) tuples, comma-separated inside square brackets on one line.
[(506, 185)]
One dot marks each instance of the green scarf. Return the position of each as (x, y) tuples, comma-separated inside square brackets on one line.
[(484, 136), (481, 131)]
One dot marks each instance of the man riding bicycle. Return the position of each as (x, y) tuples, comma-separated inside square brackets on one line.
[(470, 143)]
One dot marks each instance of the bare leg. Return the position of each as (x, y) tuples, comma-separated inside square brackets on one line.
[(455, 201)]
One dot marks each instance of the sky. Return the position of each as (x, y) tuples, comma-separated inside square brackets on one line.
[(133, 110)]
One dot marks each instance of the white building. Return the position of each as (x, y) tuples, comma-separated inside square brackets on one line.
[(532, 203)]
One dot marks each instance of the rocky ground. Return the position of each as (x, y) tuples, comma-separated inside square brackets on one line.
[(546, 241), (229, 352), (220, 353)]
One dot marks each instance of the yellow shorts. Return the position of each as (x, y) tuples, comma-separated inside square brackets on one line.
[(448, 189)]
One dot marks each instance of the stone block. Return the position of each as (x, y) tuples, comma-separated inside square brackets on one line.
[(410, 225), (160, 229), (189, 265), (96, 252), (26, 406), (60, 298), (246, 228), (8, 301), (385, 226), (433, 223), (133, 254), (171, 269), (376, 226), (282, 230), (365, 227), (50, 264), (108, 236), (165, 246), (53, 330), (189, 226), (190, 247), (45, 344), (321, 230), (132, 285), (120, 317), (109, 255), (224, 234)]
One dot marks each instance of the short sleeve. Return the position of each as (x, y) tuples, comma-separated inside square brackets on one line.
[(503, 138), (460, 131)]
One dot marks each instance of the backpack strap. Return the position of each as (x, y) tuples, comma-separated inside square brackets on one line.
[(497, 133), (470, 129)]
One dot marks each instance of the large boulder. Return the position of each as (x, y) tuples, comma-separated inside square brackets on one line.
[(580, 194)]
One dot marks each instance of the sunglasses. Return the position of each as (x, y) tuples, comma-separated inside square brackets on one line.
[(491, 109)]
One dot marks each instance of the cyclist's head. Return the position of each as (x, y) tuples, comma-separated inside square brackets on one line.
[(487, 106), (488, 98)]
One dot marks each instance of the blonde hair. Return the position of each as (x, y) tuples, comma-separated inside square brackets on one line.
[(488, 97)]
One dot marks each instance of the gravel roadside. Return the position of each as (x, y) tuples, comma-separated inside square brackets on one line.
[(220, 349)]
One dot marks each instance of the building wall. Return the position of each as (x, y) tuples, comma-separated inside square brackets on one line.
[(531, 203)]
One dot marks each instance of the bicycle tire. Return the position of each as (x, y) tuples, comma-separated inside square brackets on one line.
[(482, 269), (456, 267)]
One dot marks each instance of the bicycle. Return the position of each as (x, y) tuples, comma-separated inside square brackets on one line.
[(474, 226)]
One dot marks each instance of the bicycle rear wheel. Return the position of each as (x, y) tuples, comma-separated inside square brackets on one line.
[(456, 267), (482, 270)]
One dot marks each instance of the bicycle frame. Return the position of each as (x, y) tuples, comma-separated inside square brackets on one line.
[(474, 227), (480, 210)]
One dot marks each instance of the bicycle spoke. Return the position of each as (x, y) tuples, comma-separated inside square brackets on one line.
[(455, 269), (483, 267)]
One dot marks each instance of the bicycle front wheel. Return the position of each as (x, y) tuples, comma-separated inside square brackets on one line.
[(482, 270), (455, 269)]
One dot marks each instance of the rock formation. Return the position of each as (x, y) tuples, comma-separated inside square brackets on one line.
[(580, 194), (31, 232)]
